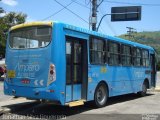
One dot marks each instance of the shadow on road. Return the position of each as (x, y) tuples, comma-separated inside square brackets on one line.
[(124, 98), (34, 109)]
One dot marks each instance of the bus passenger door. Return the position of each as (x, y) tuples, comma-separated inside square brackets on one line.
[(153, 70), (76, 69)]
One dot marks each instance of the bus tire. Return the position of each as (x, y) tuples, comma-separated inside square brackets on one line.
[(101, 95), (144, 89)]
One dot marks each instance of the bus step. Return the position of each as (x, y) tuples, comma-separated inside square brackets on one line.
[(76, 103)]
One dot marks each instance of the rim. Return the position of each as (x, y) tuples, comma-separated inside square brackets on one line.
[(101, 95)]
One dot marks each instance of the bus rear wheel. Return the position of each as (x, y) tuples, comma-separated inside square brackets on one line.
[(101, 95), (144, 90)]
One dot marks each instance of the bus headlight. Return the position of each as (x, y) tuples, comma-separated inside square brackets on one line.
[(52, 74)]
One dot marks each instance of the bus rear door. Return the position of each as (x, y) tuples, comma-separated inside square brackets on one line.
[(76, 69)]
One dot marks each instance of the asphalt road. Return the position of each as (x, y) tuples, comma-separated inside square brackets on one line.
[(125, 107), (2, 96)]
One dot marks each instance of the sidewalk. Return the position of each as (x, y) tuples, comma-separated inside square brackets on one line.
[(157, 89)]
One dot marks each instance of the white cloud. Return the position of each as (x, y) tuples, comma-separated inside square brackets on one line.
[(2, 14), (10, 2)]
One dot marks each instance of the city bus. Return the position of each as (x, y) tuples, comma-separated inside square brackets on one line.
[(68, 65)]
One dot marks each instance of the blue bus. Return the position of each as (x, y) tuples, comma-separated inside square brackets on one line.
[(67, 65)]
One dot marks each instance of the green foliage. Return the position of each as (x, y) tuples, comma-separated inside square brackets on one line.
[(6, 22), (147, 38)]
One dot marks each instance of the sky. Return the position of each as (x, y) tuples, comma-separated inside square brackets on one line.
[(78, 12)]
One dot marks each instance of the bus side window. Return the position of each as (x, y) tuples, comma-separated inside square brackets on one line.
[(97, 51), (134, 56), (68, 59), (114, 53), (106, 52), (145, 58), (137, 56), (126, 55)]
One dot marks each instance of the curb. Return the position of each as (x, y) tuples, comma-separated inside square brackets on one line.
[(156, 89)]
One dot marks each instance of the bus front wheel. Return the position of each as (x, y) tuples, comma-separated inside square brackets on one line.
[(101, 95)]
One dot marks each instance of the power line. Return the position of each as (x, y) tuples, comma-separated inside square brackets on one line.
[(58, 11), (71, 12), (87, 3), (144, 4), (100, 3), (80, 4)]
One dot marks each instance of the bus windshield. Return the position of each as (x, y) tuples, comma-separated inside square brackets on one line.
[(30, 37)]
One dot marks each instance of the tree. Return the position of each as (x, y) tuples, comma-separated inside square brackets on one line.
[(6, 22), (13, 18), (1, 9)]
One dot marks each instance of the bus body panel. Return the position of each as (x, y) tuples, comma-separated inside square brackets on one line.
[(31, 65), (118, 83), (119, 79), (31, 93), (58, 58), (38, 89)]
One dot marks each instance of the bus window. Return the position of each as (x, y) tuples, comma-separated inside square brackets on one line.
[(114, 53), (77, 61), (30, 37), (97, 51), (68, 59), (126, 55), (136, 52), (145, 58)]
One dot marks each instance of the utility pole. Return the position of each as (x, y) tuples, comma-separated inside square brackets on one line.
[(130, 32), (94, 15)]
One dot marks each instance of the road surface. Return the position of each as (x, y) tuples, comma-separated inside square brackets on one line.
[(125, 107)]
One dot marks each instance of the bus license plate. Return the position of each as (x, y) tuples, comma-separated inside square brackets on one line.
[(11, 74)]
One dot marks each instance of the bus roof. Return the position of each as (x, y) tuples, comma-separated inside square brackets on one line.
[(93, 33), (116, 39), (38, 23)]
